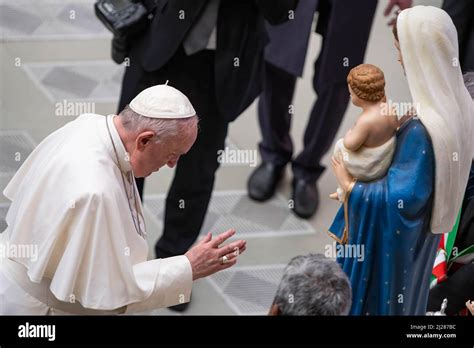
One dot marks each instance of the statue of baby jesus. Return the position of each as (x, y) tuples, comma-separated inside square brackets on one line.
[(368, 147)]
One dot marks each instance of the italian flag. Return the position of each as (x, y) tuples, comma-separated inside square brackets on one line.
[(444, 255)]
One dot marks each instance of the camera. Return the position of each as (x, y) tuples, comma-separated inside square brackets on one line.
[(122, 17)]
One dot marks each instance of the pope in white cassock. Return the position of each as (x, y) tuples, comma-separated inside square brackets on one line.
[(75, 200)]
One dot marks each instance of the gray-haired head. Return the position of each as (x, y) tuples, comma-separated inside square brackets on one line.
[(152, 143), (313, 285), (163, 128), (469, 82)]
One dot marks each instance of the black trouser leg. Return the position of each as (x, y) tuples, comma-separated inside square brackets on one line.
[(326, 114), (274, 117), (329, 81), (190, 192), (323, 124)]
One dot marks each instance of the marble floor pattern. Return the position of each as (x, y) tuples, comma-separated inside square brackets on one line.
[(235, 208), (49, 20)]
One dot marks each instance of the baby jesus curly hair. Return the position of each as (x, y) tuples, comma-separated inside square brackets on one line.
[(367, 82)]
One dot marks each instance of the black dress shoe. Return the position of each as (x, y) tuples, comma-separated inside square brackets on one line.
[(305, 198), (263, 181)]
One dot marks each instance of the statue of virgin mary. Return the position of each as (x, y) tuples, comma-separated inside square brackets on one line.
[(400, 217)]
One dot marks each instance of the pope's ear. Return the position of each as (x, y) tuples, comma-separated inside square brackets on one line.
[(144, 139)]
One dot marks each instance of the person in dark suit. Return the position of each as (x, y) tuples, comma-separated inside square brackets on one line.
[(212, 51), (345, 27), (462, 14)]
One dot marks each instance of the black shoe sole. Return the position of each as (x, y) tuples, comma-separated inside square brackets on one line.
[(260, 199), (302, 215)]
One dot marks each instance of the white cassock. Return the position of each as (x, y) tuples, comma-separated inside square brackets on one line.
[(70, 203)]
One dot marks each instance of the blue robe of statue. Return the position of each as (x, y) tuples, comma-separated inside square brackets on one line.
[(390, 218)]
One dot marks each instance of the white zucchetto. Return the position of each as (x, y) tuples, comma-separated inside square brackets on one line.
[(162, 101)]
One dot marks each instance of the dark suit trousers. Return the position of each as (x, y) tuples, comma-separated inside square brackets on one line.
[(345, 27), (190, 192), (275, 121), (462, 14)]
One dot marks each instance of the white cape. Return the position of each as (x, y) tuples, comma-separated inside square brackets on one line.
[(429, 47), (68, 200)]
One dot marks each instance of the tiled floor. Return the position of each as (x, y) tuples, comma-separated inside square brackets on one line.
[(56, 50), (94, 81), (49, 20), (248, 290), (234, 208), (16, 145)]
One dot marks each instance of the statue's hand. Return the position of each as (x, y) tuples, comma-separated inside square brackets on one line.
[(344, 178)]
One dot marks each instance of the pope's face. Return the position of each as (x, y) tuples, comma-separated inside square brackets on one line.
[(149, 156)]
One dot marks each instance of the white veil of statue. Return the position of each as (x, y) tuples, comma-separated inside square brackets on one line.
[(429, 47)]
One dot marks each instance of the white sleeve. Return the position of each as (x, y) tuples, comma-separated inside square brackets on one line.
[(168, 282)]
